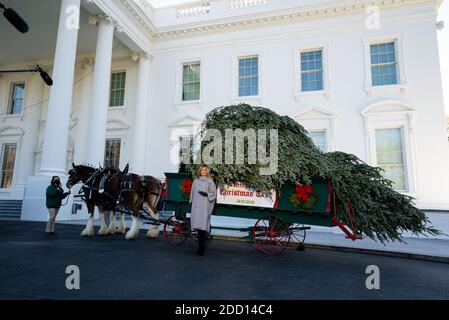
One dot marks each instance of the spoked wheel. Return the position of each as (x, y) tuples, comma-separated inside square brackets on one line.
[(298, 235), (175, 232), (271, 235)]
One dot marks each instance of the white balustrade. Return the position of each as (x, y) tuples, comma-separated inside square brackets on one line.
[(237, 4), (196, 10)]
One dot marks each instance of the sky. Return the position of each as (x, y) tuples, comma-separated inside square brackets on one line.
[(443, 37)]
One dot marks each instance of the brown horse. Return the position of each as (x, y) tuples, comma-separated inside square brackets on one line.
[(105, 201), (137, 191)]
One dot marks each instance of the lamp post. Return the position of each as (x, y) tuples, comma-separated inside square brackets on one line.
[(44, 75), (14, 18)]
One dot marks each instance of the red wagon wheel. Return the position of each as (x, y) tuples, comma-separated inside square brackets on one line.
[(271, 235), (175, 232)]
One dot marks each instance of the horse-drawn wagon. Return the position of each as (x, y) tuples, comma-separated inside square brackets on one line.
[(279, 225)]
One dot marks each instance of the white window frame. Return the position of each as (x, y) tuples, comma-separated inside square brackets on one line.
[(121, 149), (179, 77), (2, 159), (235, 97), (404, 154), (400, 68), (187, 126), (326, 135), (12, 135), (123, 107), (318, 119), (8, 96), (117, 129), (298, 93), (404, 119)]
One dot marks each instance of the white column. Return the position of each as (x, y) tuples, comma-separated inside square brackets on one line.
[(58, 118), (140, 115), (83, 110), (98, 113)]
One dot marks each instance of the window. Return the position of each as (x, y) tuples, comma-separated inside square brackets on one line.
[(9, 159), (17, 97), (390, 156), (319, 139), (191, 81), (312, 71), (117, 97), (249, 77), (384, 64), (112, 152), (188, 148)]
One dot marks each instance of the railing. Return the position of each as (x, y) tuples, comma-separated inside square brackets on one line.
[(196, 10), (237, 4), (205, 7)]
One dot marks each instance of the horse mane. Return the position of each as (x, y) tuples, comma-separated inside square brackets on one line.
[(85, 167)]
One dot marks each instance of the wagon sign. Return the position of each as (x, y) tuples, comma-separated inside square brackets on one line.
[(239, 195)]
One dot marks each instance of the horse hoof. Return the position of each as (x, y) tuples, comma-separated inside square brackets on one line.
[(153, 234), (102, 233), (130, 236), (86, 234)]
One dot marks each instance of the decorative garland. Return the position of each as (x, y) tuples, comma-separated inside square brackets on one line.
[(304, 197), (186, 188)]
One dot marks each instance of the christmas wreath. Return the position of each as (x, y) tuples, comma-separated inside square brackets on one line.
[(304, 197), (186, 188)]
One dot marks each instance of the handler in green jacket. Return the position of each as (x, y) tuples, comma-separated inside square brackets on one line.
[(55, 194)]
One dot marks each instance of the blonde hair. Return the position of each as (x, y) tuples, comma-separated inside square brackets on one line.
[(201, 168)]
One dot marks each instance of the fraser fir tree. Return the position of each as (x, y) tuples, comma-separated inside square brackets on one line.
[(381, 213)]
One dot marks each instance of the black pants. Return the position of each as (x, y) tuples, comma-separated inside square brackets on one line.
[(202, 236)]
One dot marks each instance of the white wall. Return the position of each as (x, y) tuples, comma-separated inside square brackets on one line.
[(343, 38)]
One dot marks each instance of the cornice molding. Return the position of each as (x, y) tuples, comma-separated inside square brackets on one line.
[(142, 12), (321, 10)]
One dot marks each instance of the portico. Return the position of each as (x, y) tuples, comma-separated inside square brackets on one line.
[(93, 75)]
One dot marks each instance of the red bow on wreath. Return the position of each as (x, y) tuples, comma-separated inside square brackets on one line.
[(303, 193), (187, 186)]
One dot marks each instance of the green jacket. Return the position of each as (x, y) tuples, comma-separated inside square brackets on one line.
[(54, 197)]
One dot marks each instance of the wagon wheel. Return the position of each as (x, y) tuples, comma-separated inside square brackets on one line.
[(298, 235), (175, 232), (271, 235)]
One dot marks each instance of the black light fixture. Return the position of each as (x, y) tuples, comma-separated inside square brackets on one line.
[(14, 18), (44, 75)]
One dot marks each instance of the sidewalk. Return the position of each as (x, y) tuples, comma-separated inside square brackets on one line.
[(428, 249)]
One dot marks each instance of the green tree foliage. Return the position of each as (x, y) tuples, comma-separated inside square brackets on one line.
[(381, 213)]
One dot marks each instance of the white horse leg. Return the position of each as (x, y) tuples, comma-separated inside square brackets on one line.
[(89, 230), (111, 229), (153, 233), (134, 231), (103, 228), (122, 228)]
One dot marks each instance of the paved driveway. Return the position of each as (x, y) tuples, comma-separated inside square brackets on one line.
[(32, 266)]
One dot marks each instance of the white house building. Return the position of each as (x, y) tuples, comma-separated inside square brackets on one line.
[(133, 84)]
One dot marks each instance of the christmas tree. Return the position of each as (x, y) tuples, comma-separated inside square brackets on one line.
[(381, 213)]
